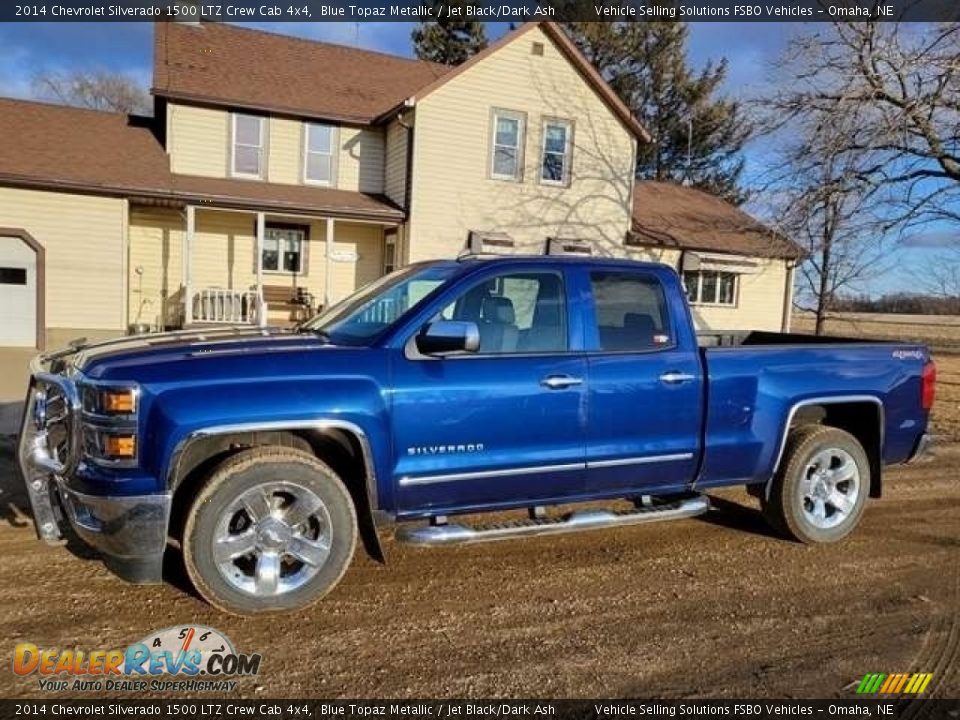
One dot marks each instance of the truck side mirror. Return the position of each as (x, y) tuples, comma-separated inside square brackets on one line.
[(448, 336)]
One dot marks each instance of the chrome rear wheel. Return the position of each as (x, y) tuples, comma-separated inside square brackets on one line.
[(831, 486), (820, 490)]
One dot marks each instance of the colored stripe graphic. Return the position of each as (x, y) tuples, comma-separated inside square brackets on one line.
[(903, 681), (884, 684)]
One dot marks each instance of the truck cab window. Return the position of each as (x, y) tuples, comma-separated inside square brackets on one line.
[(631, 312), (515, 313)]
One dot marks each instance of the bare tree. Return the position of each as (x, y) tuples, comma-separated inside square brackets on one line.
[(831, 211), (97, 90), (896, 89), (940, 277)]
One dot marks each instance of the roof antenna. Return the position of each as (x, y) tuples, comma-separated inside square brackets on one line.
[(356, 35), (688, 179)]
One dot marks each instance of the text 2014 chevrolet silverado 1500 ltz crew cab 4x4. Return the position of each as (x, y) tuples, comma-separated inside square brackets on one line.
[(449, 388)]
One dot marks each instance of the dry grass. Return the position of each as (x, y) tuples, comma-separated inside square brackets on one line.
[(939, 332), (946, 410)]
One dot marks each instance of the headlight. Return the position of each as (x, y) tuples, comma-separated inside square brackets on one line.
[(110, 424), (108, 445), (110, 401)]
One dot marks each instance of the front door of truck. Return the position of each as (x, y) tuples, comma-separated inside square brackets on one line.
[(502, 425), (645, 388)]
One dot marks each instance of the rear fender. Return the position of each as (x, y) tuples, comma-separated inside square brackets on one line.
[(841, 411)]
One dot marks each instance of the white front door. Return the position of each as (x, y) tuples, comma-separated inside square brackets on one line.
[(18, 293)]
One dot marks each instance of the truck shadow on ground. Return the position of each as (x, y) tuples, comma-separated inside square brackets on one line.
[(734, 516)]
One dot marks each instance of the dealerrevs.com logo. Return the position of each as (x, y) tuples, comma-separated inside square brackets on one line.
[(202, 655)]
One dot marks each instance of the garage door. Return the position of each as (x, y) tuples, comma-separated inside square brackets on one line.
[(18, 293)]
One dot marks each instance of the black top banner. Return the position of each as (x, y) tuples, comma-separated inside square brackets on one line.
[(543, 709), (490, 10)]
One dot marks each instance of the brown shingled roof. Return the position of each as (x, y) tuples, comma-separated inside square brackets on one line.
[(670, 215), (241, 67), (80, 148), (65, 148), (227, 192)]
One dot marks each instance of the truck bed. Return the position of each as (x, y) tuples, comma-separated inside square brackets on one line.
[(756, 381), (721, 338)]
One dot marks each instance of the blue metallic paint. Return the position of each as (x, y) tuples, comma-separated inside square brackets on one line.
[(730, 417)]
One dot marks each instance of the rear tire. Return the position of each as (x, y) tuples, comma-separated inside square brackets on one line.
[(821, 489), (272, 529)]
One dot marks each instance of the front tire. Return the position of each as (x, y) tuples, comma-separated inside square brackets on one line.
[(821, 489), (272, 529)]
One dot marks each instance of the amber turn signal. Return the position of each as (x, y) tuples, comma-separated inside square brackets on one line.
[(118, 401), (120, 446)]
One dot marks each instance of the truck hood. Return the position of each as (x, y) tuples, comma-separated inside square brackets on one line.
[(114, 359)]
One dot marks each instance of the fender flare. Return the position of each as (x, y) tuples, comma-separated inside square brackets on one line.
[(826, 400), (367, 515)]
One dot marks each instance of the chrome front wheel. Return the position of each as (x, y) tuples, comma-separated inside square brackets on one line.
[(273, 528), (273, 539)]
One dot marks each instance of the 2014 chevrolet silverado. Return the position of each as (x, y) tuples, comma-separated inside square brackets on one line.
[(449, 388)]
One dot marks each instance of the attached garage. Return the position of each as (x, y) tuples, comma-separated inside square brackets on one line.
[(21, 289)]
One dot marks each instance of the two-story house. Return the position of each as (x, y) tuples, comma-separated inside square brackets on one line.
[(279, 174)]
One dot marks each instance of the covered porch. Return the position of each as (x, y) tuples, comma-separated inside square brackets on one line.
[(218, 264)]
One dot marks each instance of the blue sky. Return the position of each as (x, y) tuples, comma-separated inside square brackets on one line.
[(27, 48)]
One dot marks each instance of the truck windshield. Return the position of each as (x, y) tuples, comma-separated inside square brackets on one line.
[(359, 318)]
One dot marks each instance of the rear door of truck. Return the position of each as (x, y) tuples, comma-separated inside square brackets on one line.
[(645, 383)]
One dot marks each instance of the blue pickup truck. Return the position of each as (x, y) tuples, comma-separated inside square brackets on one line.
[(522, 385)]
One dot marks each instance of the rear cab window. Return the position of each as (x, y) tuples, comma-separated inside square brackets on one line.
[(630, 310)]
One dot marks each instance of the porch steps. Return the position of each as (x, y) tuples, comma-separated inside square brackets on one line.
[(441, 532)]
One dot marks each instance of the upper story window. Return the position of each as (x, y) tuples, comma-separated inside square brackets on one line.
[(711, 287), (557, 152), (318, 158), (631, 312), (249, 142), (506, 152)]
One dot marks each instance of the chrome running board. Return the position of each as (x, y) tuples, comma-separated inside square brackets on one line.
[(442, 533)]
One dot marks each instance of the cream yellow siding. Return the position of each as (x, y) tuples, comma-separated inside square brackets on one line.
[(156, 239), (83, 239), (759, 306), (198, 140), (360, 163), (760, 295), (223, 256), (395, 171), (285, 151), (452, 190)]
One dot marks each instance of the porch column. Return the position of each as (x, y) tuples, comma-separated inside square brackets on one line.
[(261, 232), (327, 252), (186, 279)]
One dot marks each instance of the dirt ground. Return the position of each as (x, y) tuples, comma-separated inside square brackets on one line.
[(710, 607)]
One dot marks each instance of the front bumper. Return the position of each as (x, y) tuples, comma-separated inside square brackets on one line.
[(130, 531)]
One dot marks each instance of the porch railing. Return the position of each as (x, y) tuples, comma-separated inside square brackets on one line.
[(220, 305), (215, 306)]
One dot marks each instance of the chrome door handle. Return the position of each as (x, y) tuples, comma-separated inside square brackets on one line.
[(674, 378), (559, 382)]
